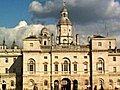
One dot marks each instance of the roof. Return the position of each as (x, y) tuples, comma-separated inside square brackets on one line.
[(98, 36), (64, 20), (31, 37)]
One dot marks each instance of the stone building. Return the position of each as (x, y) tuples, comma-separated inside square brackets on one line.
[(47, 63)]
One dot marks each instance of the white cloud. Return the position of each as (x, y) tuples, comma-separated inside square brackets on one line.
[(88, 16), (21, 31)]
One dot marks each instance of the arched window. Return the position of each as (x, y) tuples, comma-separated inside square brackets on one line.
[(101, 81), (45, 82), (65, 66), (45, 42), (12, 83), (31, 82), (100, 65), (56, 85), (64, 14), (101, 84), (31, 65)]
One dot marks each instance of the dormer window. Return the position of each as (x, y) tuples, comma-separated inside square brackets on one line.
[(99, 43), (31, 44)]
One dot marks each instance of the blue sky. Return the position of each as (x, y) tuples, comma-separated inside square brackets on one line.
[(13, 11), (88, 17)]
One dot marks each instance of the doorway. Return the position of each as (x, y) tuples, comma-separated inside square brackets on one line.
[(66, 84)]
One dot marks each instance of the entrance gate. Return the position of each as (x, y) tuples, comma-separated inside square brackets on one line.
[(66, 84)]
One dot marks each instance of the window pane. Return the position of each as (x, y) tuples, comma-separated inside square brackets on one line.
[(114, 69), (99, 43), (114, 58), (45, 57), (45, 67), (31, 67), (31, 44), (75, 67), (65, 66), (111, 82), (56, 57), (75, 56), (56, 67), (45, 82)]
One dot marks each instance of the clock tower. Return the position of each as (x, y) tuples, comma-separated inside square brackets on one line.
[(64, 28)]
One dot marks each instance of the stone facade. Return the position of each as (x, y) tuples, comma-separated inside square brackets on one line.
[(62, 64)]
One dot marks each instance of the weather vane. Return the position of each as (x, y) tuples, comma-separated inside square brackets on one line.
[(64, 2)]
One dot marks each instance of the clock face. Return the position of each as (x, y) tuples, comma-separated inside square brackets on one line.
[(64, 30)]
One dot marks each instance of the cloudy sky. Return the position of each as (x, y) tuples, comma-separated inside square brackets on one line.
[(19, 18)]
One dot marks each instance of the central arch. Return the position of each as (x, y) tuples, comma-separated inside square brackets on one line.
[(66, 84)]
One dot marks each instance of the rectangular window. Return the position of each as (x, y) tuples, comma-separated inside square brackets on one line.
[(109, 45), (56, 57), (99, 43), (56, 67), (6, 70), (62, 67), (86, 68), (31, 67), (85, 56), (114, 69), (75, 67), (31, 44), (45, 57), (75, 56), (45, 67), (114, 58)]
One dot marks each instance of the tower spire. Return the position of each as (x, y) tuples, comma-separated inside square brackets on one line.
[(64, 3), (64, 26)]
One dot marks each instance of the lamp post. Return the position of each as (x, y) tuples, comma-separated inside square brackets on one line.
[(51, 88), (90, 56)]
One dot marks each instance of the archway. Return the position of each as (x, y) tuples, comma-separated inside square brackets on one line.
[(4, 85), (66, 84), (56, 85), (75, 85)]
